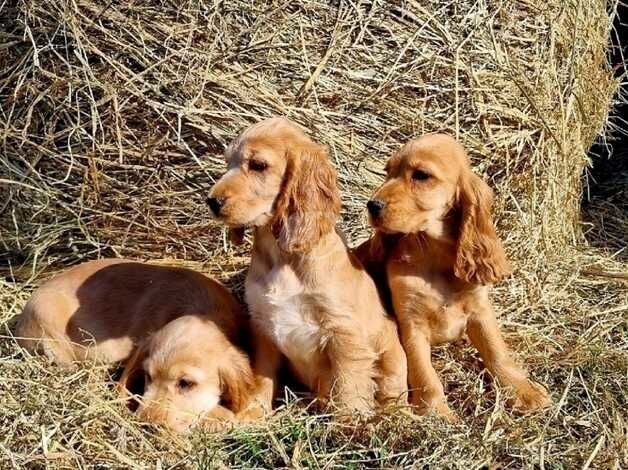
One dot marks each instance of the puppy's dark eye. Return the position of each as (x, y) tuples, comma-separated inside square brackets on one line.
[(257, 165), (420, 175), (185, 385)]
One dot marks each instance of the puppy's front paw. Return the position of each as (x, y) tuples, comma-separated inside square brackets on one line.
[(531, 397), (442, 409), (349, 407), (438, 407), (217, 420), (254, 411), (347, 415), (214, 425), (393, 401)]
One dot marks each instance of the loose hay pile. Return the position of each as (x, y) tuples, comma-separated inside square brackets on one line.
[(113, 118)]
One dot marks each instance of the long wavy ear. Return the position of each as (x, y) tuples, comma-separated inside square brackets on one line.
[(480, 257), (236, 379), (309, 201), (132, 379)]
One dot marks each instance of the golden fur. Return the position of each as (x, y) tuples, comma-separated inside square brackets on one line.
[(179, 326), (310, 299), (436, 241)]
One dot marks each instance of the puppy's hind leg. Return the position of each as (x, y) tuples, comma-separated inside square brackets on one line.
[(33, 337)]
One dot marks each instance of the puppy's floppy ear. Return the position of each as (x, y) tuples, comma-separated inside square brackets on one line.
[(480, 257), (309, 201), (132, 379), (236, 378)]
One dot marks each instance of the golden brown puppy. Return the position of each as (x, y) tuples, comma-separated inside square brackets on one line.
[(435, 234), (191, 373), (310, 299), (187, 326)]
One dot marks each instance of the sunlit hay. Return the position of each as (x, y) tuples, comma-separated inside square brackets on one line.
[(114, 116)]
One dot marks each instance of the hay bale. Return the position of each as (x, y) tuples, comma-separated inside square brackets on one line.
[(115, 115)]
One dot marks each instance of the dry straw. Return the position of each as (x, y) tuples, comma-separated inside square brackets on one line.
[(113, 117)]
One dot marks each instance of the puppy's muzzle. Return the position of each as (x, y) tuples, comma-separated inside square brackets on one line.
[(215, 204), (375, 207)]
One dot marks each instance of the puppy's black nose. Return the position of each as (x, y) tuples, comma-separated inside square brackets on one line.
[(215, 204), (375, 207)]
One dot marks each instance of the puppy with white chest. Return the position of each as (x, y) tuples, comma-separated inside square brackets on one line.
[(310, 299), (175, 325), (436, 247)]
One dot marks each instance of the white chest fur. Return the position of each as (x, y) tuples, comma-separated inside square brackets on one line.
[(279, 306)]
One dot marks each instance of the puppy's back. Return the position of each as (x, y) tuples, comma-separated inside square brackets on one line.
[(100, 309), (43, 323)]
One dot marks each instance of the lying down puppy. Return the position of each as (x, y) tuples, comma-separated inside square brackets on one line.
[(176, 330)]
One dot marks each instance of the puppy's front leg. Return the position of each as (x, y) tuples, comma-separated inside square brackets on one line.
[(351, 373), (266, 362), (426, 389), (392, 377), (484, 334)]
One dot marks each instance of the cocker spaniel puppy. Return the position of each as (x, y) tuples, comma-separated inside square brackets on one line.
[(310, 299), (176, 324), (191, 374), (436, 241)]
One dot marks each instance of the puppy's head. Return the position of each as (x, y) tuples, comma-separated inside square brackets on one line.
[(430, 188), (278, 176), (188, 367)]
